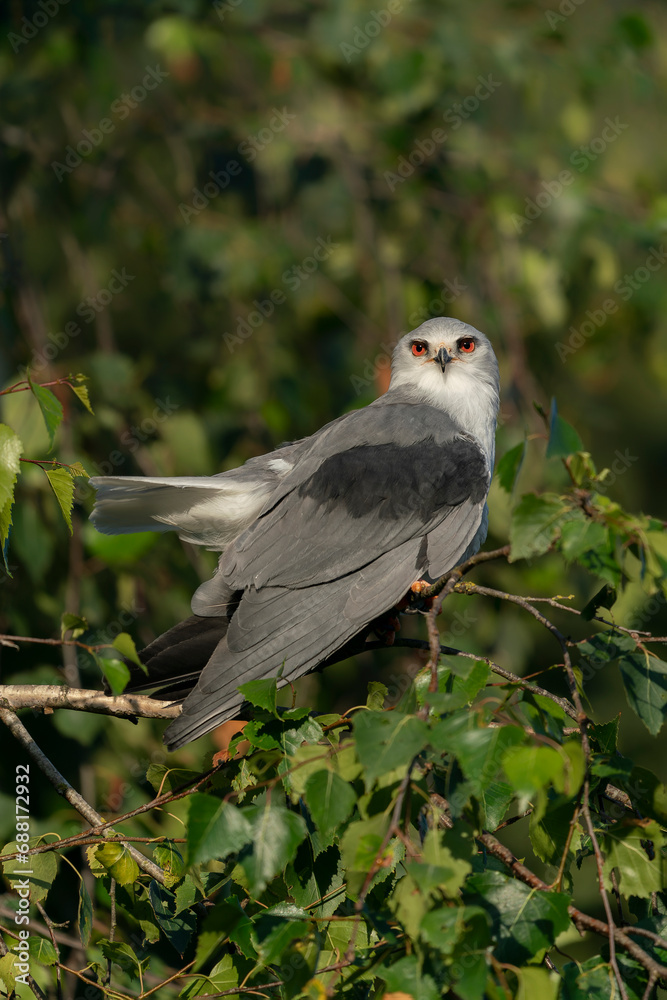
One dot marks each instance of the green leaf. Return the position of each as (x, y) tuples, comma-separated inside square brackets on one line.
[(274, 930), (526, 921), (535, 982), (604, 598), (80, 390), (641, 867), (62, 484), (444, 927), (166, 779), (261, 694), (216, 829), (170, 860), (377, 694), (42, 951), (645, 681), (7, 972), (115, 672), (51, 408), (386, 740), (329, 799), (276, 834), (43, 869), (405, 977), (563, 439), (72, 623), (178, 928), (77, 470), (579, 536), (534, 768), (85, 914), (478, 749), (124, 643), (118, 862), (535, 525), (590, 980), (549, 832), (120, 954), (644, 675), (11, 449), (316, 882), (217, 926), (509, 466), (495, 800), (361, 842)]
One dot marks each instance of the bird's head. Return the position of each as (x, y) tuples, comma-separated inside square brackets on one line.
[(450, 365), (443, 359)]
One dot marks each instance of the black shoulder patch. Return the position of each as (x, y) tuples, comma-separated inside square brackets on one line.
[(398, 482)]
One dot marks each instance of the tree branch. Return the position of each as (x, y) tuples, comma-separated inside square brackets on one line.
[(582, 920), (63, 787), (51, 696)]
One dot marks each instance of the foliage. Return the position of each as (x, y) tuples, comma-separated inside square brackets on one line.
[(356, 854), (228, 256)]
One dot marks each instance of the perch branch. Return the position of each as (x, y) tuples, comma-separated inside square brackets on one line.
[(50, 696)]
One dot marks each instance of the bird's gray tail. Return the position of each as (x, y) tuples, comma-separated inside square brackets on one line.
[(176, 658), (206, 510)]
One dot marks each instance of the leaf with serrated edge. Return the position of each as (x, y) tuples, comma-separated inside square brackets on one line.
[(276, 834), (51, 407), (11, 449), (81, 392), (329, 798), (62, 484), (85, 914), (215, 829), (641, 870), (124, 643)]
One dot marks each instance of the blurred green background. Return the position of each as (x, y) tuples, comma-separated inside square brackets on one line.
[(225, 215)]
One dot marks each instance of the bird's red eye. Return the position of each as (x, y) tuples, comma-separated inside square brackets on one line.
[(466, 346), (419, 349)]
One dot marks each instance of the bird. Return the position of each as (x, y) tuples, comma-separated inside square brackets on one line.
[(324, 535)]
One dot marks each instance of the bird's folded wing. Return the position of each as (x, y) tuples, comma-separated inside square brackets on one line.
[(381, 477)]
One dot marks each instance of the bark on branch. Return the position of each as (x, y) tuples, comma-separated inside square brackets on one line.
[(50, 696)]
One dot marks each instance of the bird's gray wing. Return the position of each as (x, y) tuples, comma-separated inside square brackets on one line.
[(295, 629), (383, 476), (339, 548)]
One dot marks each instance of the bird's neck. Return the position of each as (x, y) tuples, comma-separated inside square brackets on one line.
[(473, 410)]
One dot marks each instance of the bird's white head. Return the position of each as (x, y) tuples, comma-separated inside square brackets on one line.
[(451, 365)]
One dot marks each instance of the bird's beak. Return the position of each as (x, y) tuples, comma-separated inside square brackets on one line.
[(443, 357)]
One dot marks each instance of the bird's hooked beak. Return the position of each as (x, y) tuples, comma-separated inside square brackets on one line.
[(443, 357)]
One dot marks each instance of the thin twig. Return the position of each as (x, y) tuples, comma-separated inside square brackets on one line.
[(51, 930), (63, 787), (582, 920)]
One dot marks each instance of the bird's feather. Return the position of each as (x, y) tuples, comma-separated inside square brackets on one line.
[(324, 535)]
